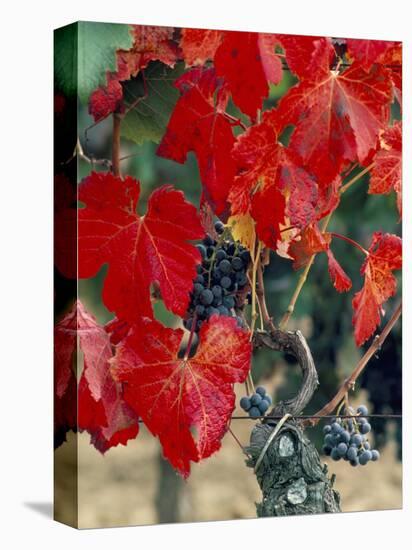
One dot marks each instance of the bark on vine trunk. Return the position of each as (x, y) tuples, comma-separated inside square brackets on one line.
[(287, 465)]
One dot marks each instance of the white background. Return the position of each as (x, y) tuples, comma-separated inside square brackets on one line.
[(26, 269)]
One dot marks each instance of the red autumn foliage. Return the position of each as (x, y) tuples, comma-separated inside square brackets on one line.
[(149, 44), (99, 407), (386, 175), (187, 402), (337, 115), (139, 250), (384, 257), (199, 124), (335, 118)]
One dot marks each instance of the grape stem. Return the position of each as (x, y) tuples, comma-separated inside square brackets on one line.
[(236, 439), (192, 332), (350, 241), (260, 292), (79, 152), (349, 383), (254, 271)]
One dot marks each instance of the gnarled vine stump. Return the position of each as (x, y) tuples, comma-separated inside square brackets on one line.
[(287, 465)]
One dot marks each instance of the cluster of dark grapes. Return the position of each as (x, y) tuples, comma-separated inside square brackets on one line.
[(346, 438), (221, 280), (257, 404)]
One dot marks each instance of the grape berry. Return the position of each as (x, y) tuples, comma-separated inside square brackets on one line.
[(346, 439), (257, 404), (221, 284)]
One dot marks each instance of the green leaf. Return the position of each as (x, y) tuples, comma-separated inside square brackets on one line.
[(65, 59), (87, 50), (148, 118)]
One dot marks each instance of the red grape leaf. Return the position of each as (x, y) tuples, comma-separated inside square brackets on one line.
[(337, 116), (309, 242), (248, 62), (367, 52), (106, 100), (271, 183), (102, 410), (140, 250), (339, 278), (328, 197), (99, 404), (187, 403), (392, 59), (199, 45), (312, 241), (199, 124), (384, 256), (149, 44), (268, 211), (302, 53), (65, 384), (387, 171)]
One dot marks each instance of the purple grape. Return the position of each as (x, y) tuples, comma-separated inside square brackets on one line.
[(206, 297), (263, 406), (342, 449), (365, 428), (268, 398), (254, 412), (256, 399), (375, 455), (352, 453), (245, 403), (363, 410), (364, 457)]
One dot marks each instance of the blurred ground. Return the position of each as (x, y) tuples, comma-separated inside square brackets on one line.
[(120, 488)]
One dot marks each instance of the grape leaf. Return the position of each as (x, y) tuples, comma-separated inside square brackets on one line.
[(271, 183), (392, 59), (199, 45), (339, 278), (84, 52), (248, 62), (147, 115), (337, 116), (384, 256), (302, 53), (186, 402), (386, 173), (367, 52), (310, 241), (242, 227), (199, 124), (106, 100), (65, 383), (102, 410), (99, 404), (149, 44), (140, 250)]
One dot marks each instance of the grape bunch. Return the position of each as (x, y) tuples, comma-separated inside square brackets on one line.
[(221, 284), (346, 439), (257, 404)]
